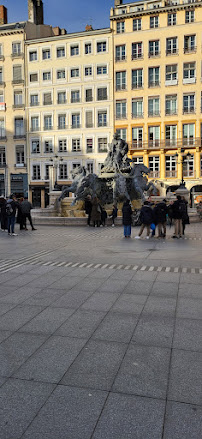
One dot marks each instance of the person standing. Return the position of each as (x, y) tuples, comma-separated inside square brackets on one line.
[(160, 212), (26, 207), (88, 208), (127, 218), (114, 215), (103, 216), (3, 214), (96, 212), (179, 210), (20, 217), (185, 217), (146, 218), (11, 207)]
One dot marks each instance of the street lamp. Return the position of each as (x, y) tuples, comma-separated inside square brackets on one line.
[(182, 158), (55, 163)]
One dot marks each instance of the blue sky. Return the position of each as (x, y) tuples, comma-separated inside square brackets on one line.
[(72, 15)]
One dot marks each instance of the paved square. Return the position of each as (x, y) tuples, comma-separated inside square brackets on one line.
[(100, 337)]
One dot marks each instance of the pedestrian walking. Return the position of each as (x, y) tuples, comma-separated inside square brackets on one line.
[(26, 208), (146, 218), (114, 215), (3, 214), (88, 208), (160, 212), (20, 217), (127, 218), (96, 212), (11, 206), (179, 210)]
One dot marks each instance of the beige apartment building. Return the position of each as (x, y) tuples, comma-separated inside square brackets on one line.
[(158, 88), (13, 160), (69, 106)]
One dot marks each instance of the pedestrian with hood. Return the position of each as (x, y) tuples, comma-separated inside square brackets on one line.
[(160, 212), (127, 218), (26, 208), (179, 210), (11, 207), (146, 218)]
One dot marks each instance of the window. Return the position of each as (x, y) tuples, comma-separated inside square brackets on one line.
[(2, 129), (101, 47), (47, 99), (189, 16), (137, 107), (36, 172), (121, 80), (89, 95), (63, 171), (88, 71), (189, 103), (188, 167), (89, 145), (46, 76), (154, 106), (172, 19), (62, 121), (46, 54), (122, 133), (76, 165), (189, 43), (171, 166), (88, 48), (74, 73), (18, 99), (154, 76), (19, 127), (154, 136), (171, 104), (102, 118), (189, 72), (102, 94), (138, 160), (102, 144), (137, 50), (16, 49), (154, 166), (121, 52), (74, 50), (188, 134), (75, 96), (75, 120), (154, 48), (171, 74), (2, 156), (48, 123), (90, 168), (47, 173), (61, 74), (120, 27), (34, 123), (33, 55), (60, 52), (121, 109), (171, 46), (35, 147), (89, 119), (137, 24), (17, 74), (154, 22), (34, 100), (20, 155), (137, 78), (1, 51), (1, 75), (137, 137), (101, 70), (48, 146), (62, 145), (1, 97), (33, 77), (171, 135), (76, 145), (61, 97)]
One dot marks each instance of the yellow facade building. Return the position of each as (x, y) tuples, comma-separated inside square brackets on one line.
[(158, 93)]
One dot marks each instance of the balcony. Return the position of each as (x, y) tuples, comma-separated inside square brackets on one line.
[(62, 127), (75, 101), (172, 52), (2, 84), (120, 58), (137, 85), (189, 110), (192, 49), (2, 165), (48, 127), (154, 174), (170, 112), (19, 136), (121, 116), (189, 173), (102, 98), (137, 115), (18, 106), (76, 149), (89, 125), (102, 124), (2, 58), (166, 144), (121, 87), (62, 102), (18, 81), (154, 54), (171, 174), (17, 55), (75, 126), (154, 83), (154, 113), (3, 137), (89, 150), (47, 102), (136, 56), (34, 104), (34, 129)]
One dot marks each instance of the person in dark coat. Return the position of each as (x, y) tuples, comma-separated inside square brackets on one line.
[(3, 214), (146, 218), (96, 212), (160, 212), (127, 218), (11, 207), (114, 215), (179, 210), (20, 217), (26, 208), (185, 216), (88, 208), (103, 216)]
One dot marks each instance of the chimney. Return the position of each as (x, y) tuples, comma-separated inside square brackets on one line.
[(35, 11), (3, 15), (57, 31), (63, 31), (118, 2), (88, 27)]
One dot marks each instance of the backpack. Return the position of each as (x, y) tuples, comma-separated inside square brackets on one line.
[(9, 209), (182, 209)]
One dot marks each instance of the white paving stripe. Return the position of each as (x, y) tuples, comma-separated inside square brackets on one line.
[(143, 268), (119, 267), (184, 270), (135, 267), (105, 266), (159, 268), (167, 269), (151, 268)]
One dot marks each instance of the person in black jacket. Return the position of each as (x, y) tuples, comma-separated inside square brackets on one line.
[(127, 218), (160, 212), (88, 208), (11, 207), (146, 218), (179, 210), (185, 216)]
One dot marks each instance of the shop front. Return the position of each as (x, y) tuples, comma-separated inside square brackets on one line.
[(39, 196), (19, 185)]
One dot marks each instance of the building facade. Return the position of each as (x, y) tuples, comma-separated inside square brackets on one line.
[(158, 93), (69, 106)]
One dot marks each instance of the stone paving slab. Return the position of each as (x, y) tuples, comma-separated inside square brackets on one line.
[(48, 321), (188, 335), (154, 331), (81, 324), (183, 421), (116, 327), (18, 316), (189, 308)]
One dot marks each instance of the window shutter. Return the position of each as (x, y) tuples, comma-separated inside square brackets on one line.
[(47, 99), (17, 73), (89, 119)]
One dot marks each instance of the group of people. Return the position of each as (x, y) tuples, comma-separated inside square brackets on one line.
[(155, 216), (12, 211), (97, 214)]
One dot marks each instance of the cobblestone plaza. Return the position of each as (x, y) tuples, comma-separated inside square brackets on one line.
[(100, 337)]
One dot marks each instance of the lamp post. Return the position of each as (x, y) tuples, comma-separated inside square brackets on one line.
[(55, 163), (183, 157)]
